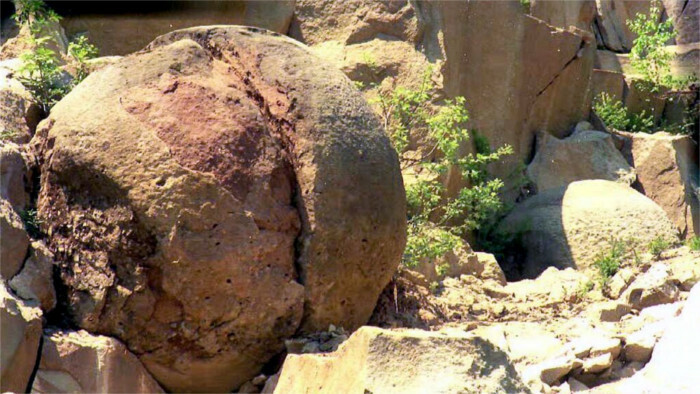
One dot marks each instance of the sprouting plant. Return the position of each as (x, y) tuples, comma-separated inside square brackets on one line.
[(584, 288), (31, 222), (526, 6), (615, 115), (81, 51), (648, 55), (41, 74), (608, 262), (34, 14), (657, 246), (437, 222), (694, 243)]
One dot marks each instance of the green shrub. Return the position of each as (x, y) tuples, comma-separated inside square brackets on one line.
[(34, 14), (614, 114), (81, 51), (657, 246), (648, 55), (608, 262), (694, 243), (41, 73), (437, 223), (584, 288)]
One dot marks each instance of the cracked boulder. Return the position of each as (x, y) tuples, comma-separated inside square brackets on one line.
[(77, 362), (20, 333), (374, 360), (224, 190)]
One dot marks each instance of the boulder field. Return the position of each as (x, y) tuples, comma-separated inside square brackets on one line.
[(219, 208), (214, 194)]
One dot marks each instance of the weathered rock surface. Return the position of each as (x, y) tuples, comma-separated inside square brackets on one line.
[(568, 227), (577, 13), (670, 368), (517, 73), (119, 30), (77, 362), (654, 287), (584, 155), (226, 189), (383, 361), (13, 242), (686, 19), (19, 114), (609, 82), (667, 171), (13, 176), (611, 22), (20, 333), (35, 281)]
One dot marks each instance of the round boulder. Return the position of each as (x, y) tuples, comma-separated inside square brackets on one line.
[(570, 226), (212, 195)]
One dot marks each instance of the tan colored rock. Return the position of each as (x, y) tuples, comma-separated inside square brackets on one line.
[(552, 285), (639, 99), (13, 242), (671, 368), (611, 22), (35, 281), (618, 283), (237, 179), (20, 333), (76, 361), (519, 76), (654, 287), (19, 114), (686, 58), (639, 345), (568, 227), (13, 176), (119, 30), (384, 361), (552, 371), (19, 44), (609, 311), (562, 14), (597, 364), (584, 155), (608, 61), (685, 270), (667, 173), (686, 19), (608, 82)]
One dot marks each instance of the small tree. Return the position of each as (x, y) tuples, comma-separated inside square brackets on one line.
[(648, 55), (41, 74), (437, 222), (81, 51)]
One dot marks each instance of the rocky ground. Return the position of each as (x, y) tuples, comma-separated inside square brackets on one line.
[(218, 209)]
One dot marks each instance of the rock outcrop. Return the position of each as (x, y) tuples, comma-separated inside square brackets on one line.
[(14, 241), (119, 30), (77, 362), (226, 189), (13, 176), (35, 281), (686, 19), (383, 361), (19, 114), (20, 333), (585, 155), (667, 172), (519, 75), (568, 227), (562, 14)]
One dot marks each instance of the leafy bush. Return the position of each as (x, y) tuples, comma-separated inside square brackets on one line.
[(694, 243), (437, 223), (657, 246), (81, 51), (614, 114), (41, 73), (648, 55), (41, 70)]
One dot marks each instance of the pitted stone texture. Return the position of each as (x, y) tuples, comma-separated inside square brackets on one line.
[(226, 189)]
